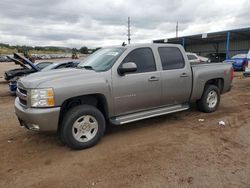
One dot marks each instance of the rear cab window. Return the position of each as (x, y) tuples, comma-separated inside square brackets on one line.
[(171, 58), (143, 58)]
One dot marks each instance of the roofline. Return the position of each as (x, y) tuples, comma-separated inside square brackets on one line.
[(216, 32)]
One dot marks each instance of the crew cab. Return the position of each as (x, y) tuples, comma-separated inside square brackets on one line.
[(118, 85)]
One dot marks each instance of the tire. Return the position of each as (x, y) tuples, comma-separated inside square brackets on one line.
[(82, 127), (206, 105)]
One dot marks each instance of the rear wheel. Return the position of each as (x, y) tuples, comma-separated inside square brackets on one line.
[(82, 127), (210, 99)]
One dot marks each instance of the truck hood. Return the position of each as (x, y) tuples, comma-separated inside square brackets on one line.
[(23, 62), (16, 61), (57, 77)]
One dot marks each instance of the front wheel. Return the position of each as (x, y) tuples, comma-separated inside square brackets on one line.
[(210, 99), (82, 127)]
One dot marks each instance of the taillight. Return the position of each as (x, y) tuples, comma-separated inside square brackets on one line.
[(232, 74)]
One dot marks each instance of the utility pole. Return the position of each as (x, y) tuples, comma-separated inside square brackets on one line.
[(129, 30), (177, 28)]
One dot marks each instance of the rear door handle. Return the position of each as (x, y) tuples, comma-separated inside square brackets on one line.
[(184, 75), (153, 78)]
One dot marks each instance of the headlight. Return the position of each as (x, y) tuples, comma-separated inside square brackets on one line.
[(42, 97)]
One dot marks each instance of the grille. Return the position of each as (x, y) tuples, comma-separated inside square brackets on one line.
[(22, 95), (23, 91)]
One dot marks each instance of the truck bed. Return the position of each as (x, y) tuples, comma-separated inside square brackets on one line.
[(210, 71), (203, 63)]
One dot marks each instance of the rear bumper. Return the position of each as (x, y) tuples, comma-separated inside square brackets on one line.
[(39, 119), (246, 74), (238, 67)]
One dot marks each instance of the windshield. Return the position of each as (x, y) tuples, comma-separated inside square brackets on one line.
[(42, 65), (102, 59), (49, 67), (192, 57)]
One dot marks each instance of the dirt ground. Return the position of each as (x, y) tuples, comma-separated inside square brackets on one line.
[(175, 150)]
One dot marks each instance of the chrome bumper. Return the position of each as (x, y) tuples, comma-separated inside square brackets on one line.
[(39, 119)]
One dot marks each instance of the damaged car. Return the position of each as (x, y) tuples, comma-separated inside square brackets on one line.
[(29, 67)]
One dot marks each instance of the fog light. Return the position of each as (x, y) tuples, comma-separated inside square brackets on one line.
[(34, 127)]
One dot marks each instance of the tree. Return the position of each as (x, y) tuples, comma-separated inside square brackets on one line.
[(98, 48), (84, 50), (74, 53)]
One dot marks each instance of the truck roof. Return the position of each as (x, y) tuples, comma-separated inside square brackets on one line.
[(145, 45)]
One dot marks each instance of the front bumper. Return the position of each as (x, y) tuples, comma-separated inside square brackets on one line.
[(13, 87), (40, 119)]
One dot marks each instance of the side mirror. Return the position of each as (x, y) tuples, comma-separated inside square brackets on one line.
[(127, 67)]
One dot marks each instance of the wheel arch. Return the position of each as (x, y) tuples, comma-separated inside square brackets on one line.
[(98, 100), (219, 82)]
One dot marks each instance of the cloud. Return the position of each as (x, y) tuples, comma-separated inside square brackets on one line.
[(104, 22)]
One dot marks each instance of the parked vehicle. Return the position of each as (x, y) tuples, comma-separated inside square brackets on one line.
[(204, 59), (247, 69), (239, 61), (28, 67), (61, 65), (118, 85), (194, 58), (21, 72), (3, 58), (216, 57)]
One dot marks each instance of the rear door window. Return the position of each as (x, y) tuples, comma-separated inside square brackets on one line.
[(171, 58)]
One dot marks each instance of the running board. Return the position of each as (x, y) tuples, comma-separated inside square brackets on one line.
[(148, 114)]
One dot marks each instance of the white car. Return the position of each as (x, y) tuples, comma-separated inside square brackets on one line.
[(247, 70), (194, 58)]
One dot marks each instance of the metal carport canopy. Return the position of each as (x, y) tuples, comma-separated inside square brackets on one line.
[(211, 38)]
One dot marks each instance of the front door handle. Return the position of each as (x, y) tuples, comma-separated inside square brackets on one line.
[(153, 78), (184, 75)]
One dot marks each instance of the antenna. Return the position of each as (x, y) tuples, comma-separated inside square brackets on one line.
[(177, 28), (129, 30)]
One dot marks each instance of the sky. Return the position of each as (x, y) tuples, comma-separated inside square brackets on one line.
[(98, 23)]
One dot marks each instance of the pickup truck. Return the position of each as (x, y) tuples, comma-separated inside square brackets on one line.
[(118, 85)]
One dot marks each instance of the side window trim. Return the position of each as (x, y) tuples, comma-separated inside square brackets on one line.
[(154, 60)]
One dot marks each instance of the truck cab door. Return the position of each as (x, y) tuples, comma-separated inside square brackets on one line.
[(139, 90), (176, 76)]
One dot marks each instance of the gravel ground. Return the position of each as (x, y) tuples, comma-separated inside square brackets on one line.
[(176, 150)]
